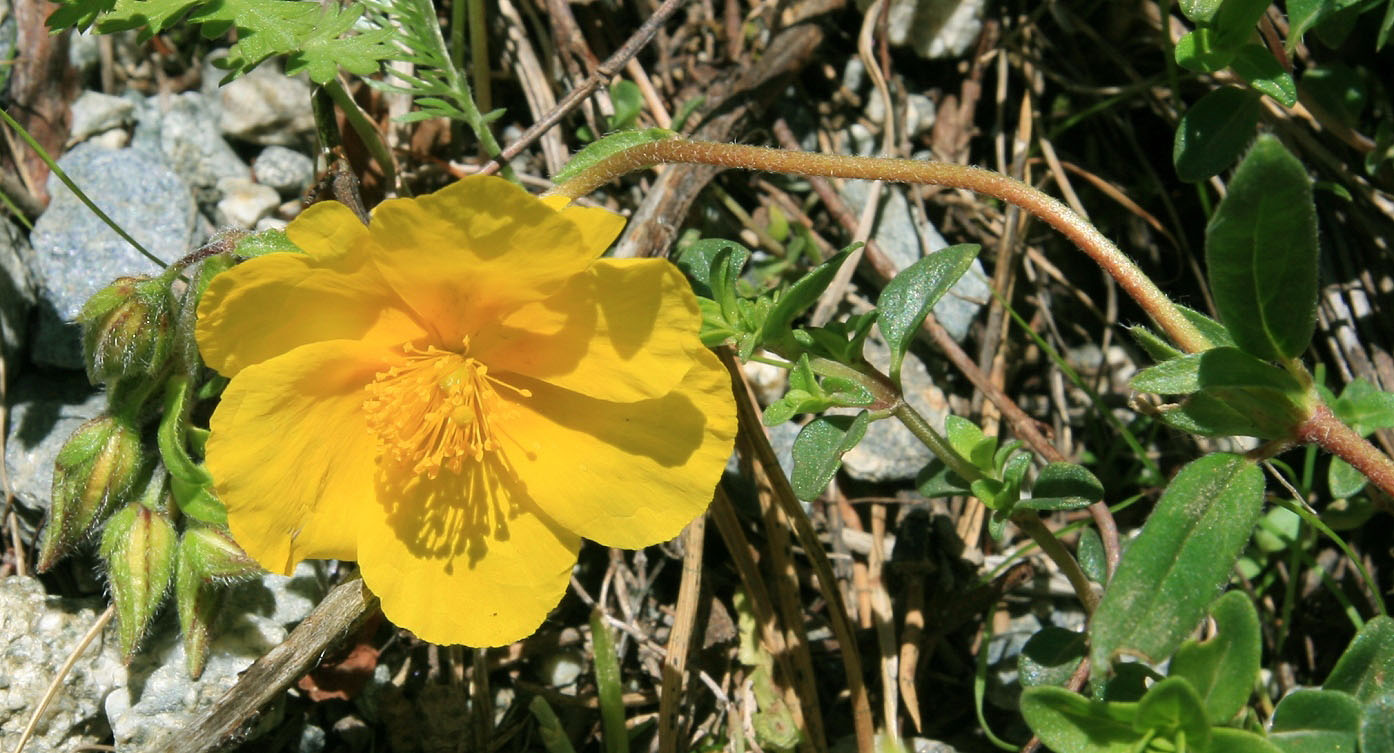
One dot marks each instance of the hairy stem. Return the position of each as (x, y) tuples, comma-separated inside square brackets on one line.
[(1332, 434), (678, 150)]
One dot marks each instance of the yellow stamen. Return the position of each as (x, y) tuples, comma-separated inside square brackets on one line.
[(433, 411)]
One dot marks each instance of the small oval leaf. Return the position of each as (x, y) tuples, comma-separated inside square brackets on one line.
[(907, 299), (1222, 670), (819, 448), (1316, 721), (1214, 131)]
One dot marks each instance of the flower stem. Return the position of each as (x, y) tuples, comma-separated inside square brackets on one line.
[(936, 443), (679, 150), (1335, 436), (366, 130)]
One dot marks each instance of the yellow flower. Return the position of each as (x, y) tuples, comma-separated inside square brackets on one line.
[(454, 396)]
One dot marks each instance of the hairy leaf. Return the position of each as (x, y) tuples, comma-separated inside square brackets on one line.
[(1316, 721), (1214, 131), (907, 299), (1223, 669), (819, 448)]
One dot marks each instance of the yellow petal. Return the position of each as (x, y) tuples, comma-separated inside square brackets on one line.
[(623, 330), (269, 305), (291, 456), (465, 558), (624, 474), (326, 230), (478, 248), (599, 227)]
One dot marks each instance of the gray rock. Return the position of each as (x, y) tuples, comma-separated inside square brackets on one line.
[(84, 51), (94, 112), (889, 452), (184, 130), (37, 632), (286, 170), (933, 28), (266, 107), (16, 294), (245, 202), (45, 409), (919, 113), (76, 254), (900, 239), (157, 697)]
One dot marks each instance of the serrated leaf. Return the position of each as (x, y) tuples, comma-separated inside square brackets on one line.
[(911, 294), (1214, 132), (1050, 657), (322, 55), (1255, 64), (1172, 708), (819, 448), (1223, 669), (1366, 668), (1063, 486), (1179, 563), (607, 147), (1070, 723), (1261, 251), (1315, 721)]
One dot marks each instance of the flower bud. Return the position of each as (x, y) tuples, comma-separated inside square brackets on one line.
[(139, 547), (205, 555), (97, 469), (126, 328), (213, 554)]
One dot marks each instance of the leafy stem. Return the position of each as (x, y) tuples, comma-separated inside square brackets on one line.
[(680, 150)]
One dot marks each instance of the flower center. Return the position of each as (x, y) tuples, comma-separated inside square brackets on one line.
[(433, 411)]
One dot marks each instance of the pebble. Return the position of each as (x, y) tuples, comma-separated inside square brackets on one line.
[(94, 112), (286, 170), (184, 131), (76, 253), (933, 28), (45, 409), (156, 697), (16, 294), (266, 107), (244, 202), (37, 632)]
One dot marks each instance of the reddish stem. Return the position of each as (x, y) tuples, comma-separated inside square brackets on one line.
[(1332, 434)]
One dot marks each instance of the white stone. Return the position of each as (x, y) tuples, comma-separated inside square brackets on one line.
[(266, 107), (245, 202), (94, 112)]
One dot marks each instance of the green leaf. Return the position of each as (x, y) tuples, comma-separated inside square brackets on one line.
[(697, 261), (1230, 740), (909, 297), (1050, 657), (1200, 11), (1196, 51), (1178, 564), (628, 102), (1261, 250), (1255, 64), (1159, 349), (819, 448), (936, 480), (1343, 480), (1214, 131), (1091, 555), (1347, 514), (963, 435), (1209, 416), (608, 147), (1172, 708), (1216, 333), (1223, 669), (1338, 89), (1366, 668), (322, 54), (1063, 486), (1235, 20), (1070, 723), (802, 294), (1218, 368), (1316, 721), (1179, 376), (1364, 407), (1377, 725), (1303, 15), (273, 241), (1277, 530)]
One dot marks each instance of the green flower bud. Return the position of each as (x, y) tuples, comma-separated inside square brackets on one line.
[(126, 328), (139, 547), (97, 469), (206, 555)]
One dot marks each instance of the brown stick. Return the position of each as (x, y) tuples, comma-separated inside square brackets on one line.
[(680, 638)]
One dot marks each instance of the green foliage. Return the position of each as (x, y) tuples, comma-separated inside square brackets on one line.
[(1223, 669), (1366, 669), (1316, 721), (908, 298), (819, 448), (1214, 132), (1050, 657), (313, 37), (1377, 725), (609, 146), (1261, 253), (1229, 392), (1179, 563), (809, 394), (608, 686)]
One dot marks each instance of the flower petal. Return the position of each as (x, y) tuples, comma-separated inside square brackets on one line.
[(272, 304), (291, 456), (624, 474), (466, 558), (599, 227), (326, 230), (623, 330), (474, 250)]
